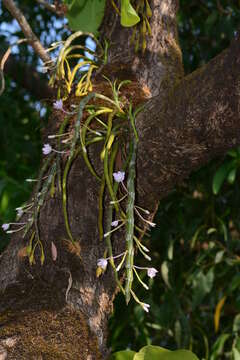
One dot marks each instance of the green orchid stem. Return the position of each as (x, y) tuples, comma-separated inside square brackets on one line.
[(36, 199), (64, 198), (130, 222), (73, 153), (61, 131), (83, 141), (100, 205), (109, 246), (109, 183)]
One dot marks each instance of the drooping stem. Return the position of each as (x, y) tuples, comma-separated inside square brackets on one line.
[(72, 155), (130, 222), (83, 141), (61, 130), (48, 6), (64, 197), (100, 210), (106, 162)]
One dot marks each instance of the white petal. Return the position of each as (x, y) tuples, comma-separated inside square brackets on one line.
[(145, 307)]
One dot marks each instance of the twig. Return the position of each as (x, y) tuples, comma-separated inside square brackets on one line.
[(2, 63), (31, 37), (48, 6)]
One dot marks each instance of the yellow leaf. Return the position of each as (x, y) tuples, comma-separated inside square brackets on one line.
[(218, 313)]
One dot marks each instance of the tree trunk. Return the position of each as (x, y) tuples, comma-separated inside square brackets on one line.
[(60, 310)]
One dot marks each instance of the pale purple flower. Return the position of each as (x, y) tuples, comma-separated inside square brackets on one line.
[(102, 263), (46, 149), (119, 176), (58, 105), (145, 307), (152, 272), (5, 227), (114, 223)]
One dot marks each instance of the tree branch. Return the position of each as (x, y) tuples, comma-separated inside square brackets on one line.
[(48, 6), (31, 37), (27, 77), (197, 122)]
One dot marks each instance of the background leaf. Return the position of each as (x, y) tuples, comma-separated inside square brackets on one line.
[(220, 176), (236, 354), (158, 353), (86, 15), (123, 355), (202, 285)]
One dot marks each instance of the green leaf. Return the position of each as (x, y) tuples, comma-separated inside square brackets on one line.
[(219, 256), (85, 15), (123, 355), (211, 231), (69, 3), (236, 323), (165, 273), (170, 250), (151, 352), (237, 343), (4, 202), (236, 354), (178, 332), (202, 285), (195, 236), (220, 176), (224, 229), (232, 176), (235, 283), (233, 153), (129, 17), (218, 346), (212, 18)]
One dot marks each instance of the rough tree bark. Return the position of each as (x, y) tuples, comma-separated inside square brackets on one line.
[(60, 310)]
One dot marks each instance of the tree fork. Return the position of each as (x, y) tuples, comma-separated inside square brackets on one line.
[(198, 121)]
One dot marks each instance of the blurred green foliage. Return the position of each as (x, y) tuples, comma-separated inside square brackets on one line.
[(205, 28), (195, 298), (19, 151)]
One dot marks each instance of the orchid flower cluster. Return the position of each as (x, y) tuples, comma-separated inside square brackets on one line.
[(76, 141), (31, 212), (105, 120), (102, 263)]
